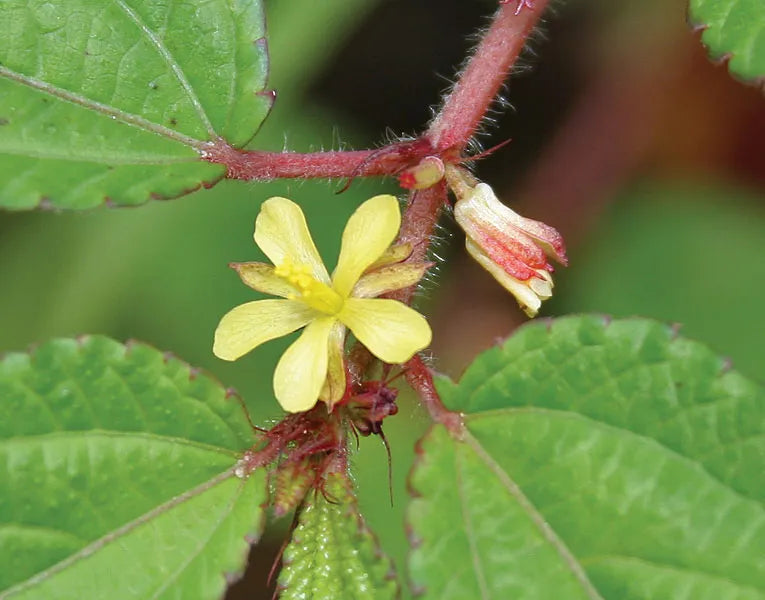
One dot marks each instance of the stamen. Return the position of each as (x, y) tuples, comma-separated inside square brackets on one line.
[(313, 292)]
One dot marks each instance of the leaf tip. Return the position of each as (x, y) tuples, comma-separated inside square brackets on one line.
[(727, 365), (46, 204), (261, 43), (168, 357), (232, 393), (83, 339), (414, 540), (417, 589)]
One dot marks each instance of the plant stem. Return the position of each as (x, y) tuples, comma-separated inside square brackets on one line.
[(419, 376), (461, 113), (447, 136), (481, 80), (259, 165), (417, 227)]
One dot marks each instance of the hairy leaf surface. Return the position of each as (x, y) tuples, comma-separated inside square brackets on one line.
[(600, 459), (118, 101), (116, 475)]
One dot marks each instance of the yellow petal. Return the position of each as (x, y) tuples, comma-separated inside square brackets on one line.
[(249, 325), (302, 369), (260, 277), (334, 385), (391, 331), (282, 233), (369, 232), (388, 279)]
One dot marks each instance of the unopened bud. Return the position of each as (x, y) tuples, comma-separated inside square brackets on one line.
[(512, 248), (427, 173)]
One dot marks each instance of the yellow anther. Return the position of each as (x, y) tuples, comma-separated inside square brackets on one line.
[(313, 292)]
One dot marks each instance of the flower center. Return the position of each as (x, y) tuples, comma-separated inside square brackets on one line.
[(313, 292)]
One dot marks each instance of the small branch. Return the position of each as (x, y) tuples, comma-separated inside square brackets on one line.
[(258, 165), (418, 227), (448, 133), (418, 376), (419, 219), (481, 80)]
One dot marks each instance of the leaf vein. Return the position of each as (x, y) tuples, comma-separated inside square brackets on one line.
[(115, 535), (172, 63), (676, 568), (104, 433), (544, 528), (202, 543), (90, 104), (47, 154), (575, 415), (469, 530)]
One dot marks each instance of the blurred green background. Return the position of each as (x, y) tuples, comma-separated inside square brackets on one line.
[(647, 157)]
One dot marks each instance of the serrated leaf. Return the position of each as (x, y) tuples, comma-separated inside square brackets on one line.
[(733, 30), (116, 476), (118, 101), (332, 554), (600, 459)]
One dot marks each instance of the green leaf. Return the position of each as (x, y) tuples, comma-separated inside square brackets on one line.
[(332, 554), (599, 460), (667, 250), (733, 30), (118, 101), (116, 475)]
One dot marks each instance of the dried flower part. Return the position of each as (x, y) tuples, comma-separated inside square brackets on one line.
[(313, 368), (512, 248)]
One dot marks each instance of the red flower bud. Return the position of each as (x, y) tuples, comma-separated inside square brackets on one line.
[(512, 248)]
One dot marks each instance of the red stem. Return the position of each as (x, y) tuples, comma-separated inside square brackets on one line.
[(417, 228), (481, 80), (285, 165), (446, 137), (418, 376)]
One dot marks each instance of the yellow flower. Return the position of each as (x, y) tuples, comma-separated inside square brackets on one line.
[(312, 368), (512, 248)]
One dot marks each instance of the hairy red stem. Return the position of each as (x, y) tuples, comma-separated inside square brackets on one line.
[(259, 165), (447, 135), (419, 376), (481, 80), (417, 228)]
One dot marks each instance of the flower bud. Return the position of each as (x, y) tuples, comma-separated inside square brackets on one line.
[(427, 173), (512, 248)]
